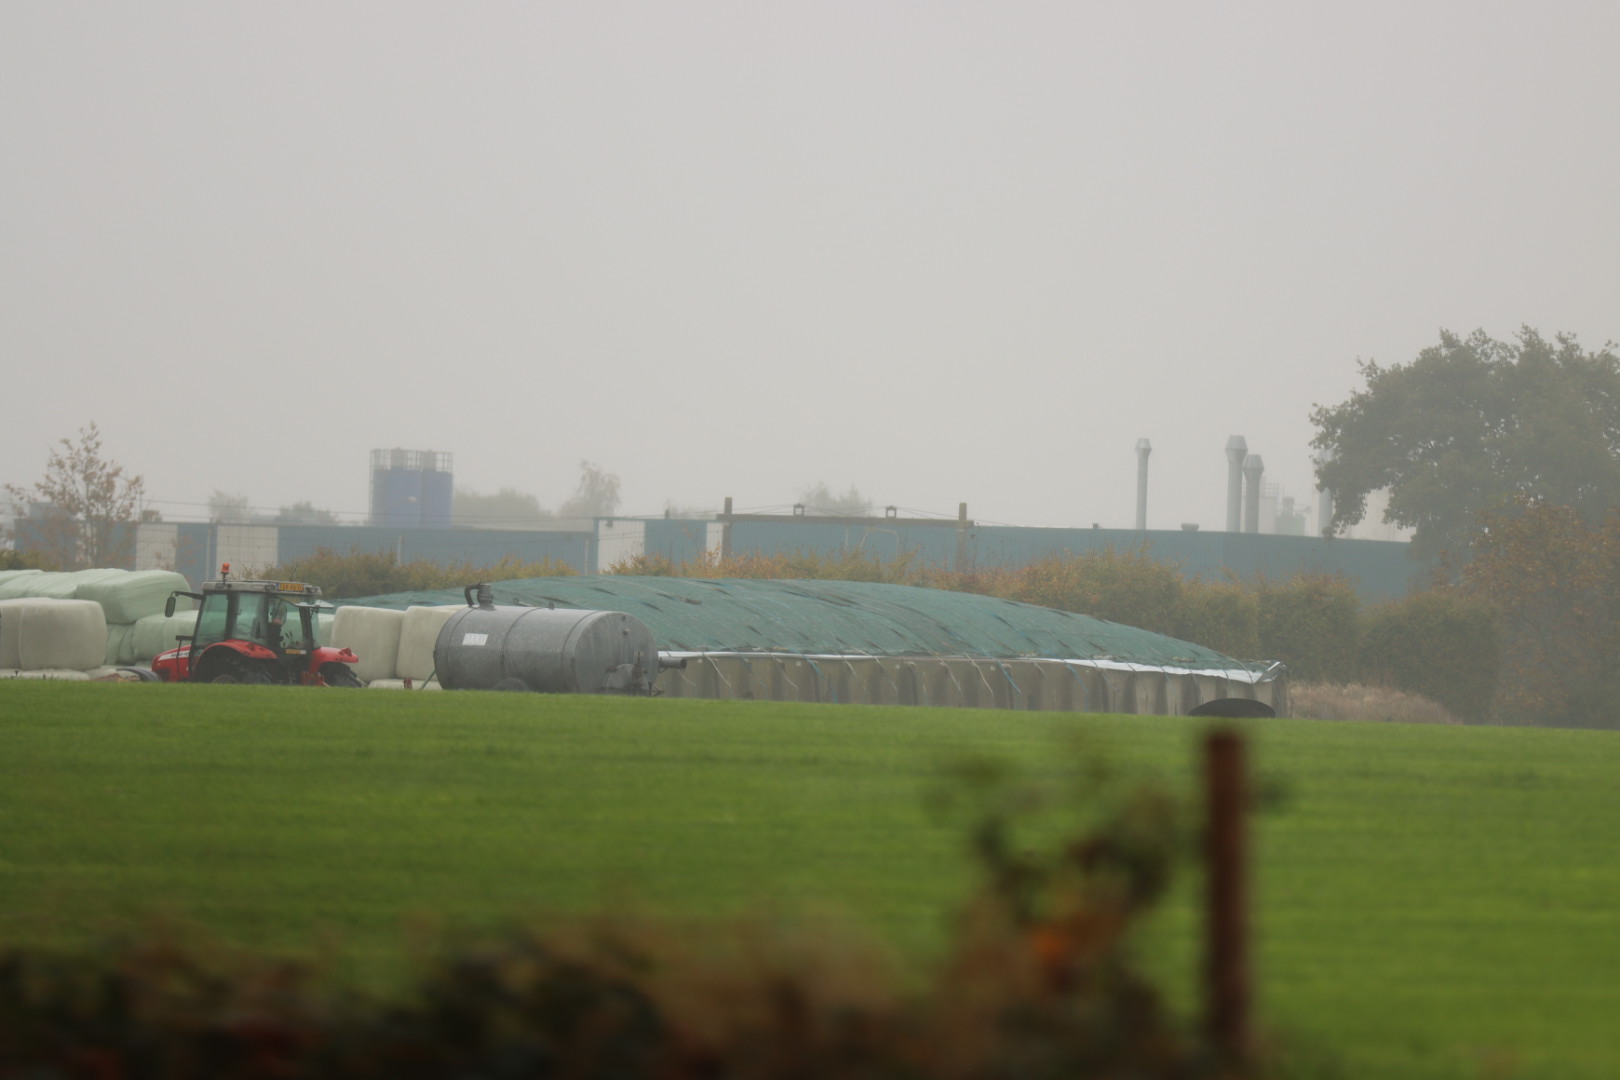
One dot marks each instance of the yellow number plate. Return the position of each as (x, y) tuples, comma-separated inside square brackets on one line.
[(290, 586)]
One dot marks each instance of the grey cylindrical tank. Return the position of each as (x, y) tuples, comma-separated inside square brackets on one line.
[(553, 651)]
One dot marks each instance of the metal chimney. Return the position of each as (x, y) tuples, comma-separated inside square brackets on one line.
[(1324, 500), (1237, 448), (1143, 449), (1253, 468)]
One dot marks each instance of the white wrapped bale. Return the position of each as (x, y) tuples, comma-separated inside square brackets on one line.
[(11, 582), (131, 597), (13, 614), (67, 586), (373, 635), (14, 583), (399, 684), (417, 638), (10, 624), (156, 633), (62, 634), (120, 643)]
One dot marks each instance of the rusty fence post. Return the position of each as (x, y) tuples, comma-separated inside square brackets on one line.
[(1227, 979)]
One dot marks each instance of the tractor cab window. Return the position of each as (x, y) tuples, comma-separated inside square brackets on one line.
[(266, 619), (286, 620), (213, 619), (262, 618)]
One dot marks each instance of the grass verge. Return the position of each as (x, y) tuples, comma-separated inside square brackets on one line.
[(1431, 901)]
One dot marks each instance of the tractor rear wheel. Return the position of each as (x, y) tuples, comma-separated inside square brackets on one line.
[(335, 674), (237, 670)]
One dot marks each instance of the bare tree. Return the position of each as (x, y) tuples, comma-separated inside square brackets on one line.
[(304, 513), (596, 496), (83, 512), (507, 508), (819, 499), (225, 508)]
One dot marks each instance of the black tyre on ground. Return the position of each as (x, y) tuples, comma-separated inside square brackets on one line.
[(231, 668), (339, 675)]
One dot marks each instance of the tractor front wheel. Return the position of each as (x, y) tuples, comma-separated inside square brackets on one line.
[(335, 674)]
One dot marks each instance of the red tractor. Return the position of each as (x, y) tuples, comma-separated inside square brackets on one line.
[(255, 632)]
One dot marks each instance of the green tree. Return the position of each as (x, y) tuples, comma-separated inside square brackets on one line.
[(1221, 615), (376, 573), (1554, 579), (1311, 622), (25, 560), (83, 513), (1469, 425), (1443, 643), (1129, 587)]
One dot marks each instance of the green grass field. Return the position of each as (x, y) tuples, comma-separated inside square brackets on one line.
[(1430, 901)]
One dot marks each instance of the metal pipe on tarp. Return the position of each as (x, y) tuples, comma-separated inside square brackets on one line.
[(961, 538)]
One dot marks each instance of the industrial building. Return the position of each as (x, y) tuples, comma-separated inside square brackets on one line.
[(411, 517)]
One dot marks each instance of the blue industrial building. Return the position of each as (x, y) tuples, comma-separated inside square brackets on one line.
[(1379, 569)]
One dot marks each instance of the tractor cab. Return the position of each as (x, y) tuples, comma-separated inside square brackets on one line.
[(255, 632), (258, 617)]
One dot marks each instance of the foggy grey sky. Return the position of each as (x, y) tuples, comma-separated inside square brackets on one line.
[(943, 252)]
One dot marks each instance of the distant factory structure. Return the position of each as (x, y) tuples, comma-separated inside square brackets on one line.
[(411, 517), (1255, 506), (411, 489)]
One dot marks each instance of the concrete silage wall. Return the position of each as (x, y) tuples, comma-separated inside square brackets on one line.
[(965, 682)]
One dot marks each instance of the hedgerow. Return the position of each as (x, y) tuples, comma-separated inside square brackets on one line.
[(374, 573)]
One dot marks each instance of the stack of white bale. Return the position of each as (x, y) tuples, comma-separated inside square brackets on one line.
[(153, 634), (14, 582), (418, 633), (46, 638), (373, 635), (133, 601), (133, 627)]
